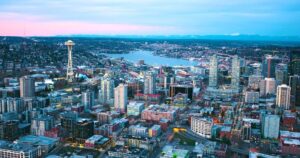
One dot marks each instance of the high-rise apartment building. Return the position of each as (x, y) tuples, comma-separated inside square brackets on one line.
[(294, 83), (269, 65), (235, 73), (27, 87), (150, 83), (121, 97), (283, 96), (213, 71), (267, 86), (88, 99), (294, 65), (107, 90), (281, 74)]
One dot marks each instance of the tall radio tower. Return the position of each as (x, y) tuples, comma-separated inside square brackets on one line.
[(70, 73)]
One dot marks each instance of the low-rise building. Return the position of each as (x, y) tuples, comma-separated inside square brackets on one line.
[(154, 131), (170, 152), (131, 152), (96, 141), (157, 112), (202, 126), (135, 108), (19, 150), (45, 143)]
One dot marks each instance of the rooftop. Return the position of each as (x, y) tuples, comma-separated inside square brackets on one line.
[(290, 134), (37, 140), (170, 151), (291, 141)]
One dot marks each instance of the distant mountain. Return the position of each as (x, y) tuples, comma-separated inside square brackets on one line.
[(237, 37)]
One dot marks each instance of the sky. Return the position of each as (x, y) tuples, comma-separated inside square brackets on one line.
[(149, 17)]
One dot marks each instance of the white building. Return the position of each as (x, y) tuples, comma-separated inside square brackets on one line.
[(107, 90), (235, 73), (267, 86), (138, 131), (213, 71), (270, 126), (202, 126), (121, 98), (149, 84), (283, 96), (20, 151), (135, 108)]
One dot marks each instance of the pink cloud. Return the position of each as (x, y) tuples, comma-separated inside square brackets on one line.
[(33, 26)]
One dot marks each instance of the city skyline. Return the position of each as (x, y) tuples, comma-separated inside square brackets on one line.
[(130, 17), (149, 78)]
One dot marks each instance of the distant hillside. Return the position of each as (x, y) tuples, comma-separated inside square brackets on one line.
[(208, 37)]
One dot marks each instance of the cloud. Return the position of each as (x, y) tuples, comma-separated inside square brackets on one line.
[(32, 26), (170, 16)]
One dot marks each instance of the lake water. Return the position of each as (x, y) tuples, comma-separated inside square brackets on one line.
[(152, 59)]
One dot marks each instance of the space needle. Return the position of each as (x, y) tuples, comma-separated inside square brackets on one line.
[(70, 73)]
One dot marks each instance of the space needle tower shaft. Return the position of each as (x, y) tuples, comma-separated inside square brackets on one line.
[(70, 73)]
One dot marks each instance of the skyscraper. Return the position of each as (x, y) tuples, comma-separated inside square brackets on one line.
[(294, 65), (283, 96), (281, 74), (235, 73), (294, 83), (267, 86), (107, 90), (168, 79), (121, 97), (213, 71), (27, 87), (268, 65), (88, 99), (70, 73), (150, 83), (270, 126)]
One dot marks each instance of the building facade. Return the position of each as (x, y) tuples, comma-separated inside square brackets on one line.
[(27, 87), (267, 87), (283, 96), (107, 90), (235, 73), (121, 98), (270, 126), (202, 126), (88, 99), (150, 83), (213, 71)]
